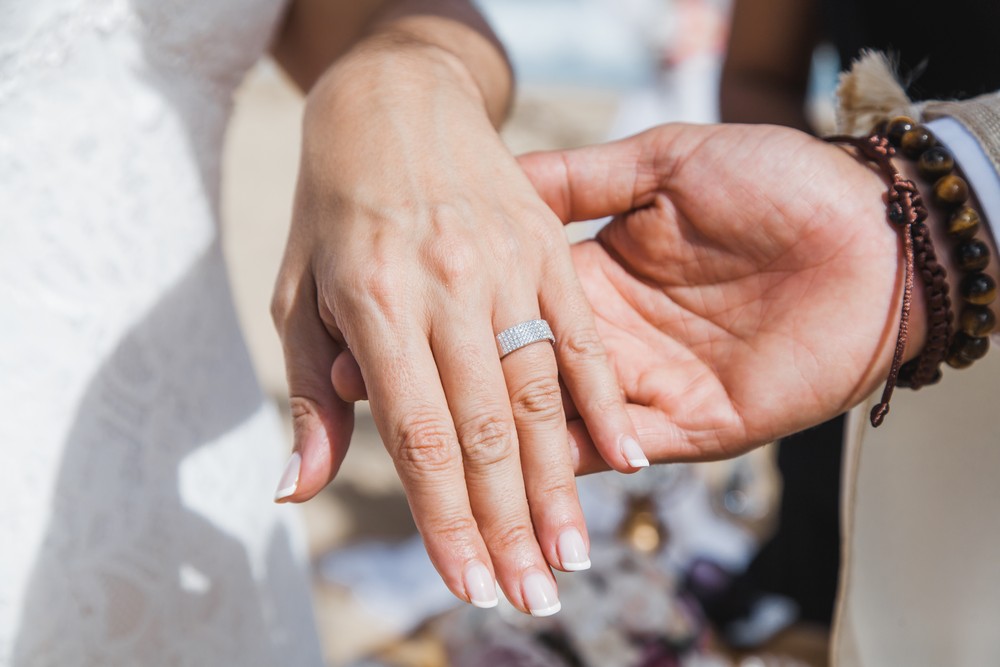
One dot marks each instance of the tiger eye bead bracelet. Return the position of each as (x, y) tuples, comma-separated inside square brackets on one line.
[(950, 193)]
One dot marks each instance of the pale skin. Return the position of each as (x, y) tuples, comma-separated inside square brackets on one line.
[(748, 287), (415, 238)]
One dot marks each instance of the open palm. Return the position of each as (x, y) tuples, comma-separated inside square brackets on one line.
[(746, 287)]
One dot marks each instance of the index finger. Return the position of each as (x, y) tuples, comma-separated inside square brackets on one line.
[(663, 440)]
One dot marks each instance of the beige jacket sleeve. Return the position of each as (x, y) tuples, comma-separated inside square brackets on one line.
[(920, 566)]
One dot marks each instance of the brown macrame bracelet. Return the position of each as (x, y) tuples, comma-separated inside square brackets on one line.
[(925, 369), (905, 211)]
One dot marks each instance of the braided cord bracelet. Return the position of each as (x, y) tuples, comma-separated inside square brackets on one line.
[(906, 213)]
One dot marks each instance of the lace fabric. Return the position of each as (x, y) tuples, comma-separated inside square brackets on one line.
[(138, 457)]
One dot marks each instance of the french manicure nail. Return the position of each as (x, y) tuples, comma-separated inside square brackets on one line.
[(480, 587), (572, 551), (289, 481), (540, 595), (633, 452)]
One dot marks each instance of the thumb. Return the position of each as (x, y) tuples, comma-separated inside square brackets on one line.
[(348, 382), (322, 423), (605, 179)]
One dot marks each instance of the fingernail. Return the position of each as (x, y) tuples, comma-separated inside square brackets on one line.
[(633, 452), (572, 551), (480, 587), (540, 595), (289, 479)]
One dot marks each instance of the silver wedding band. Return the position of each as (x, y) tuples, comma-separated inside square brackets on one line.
[(523, 334)]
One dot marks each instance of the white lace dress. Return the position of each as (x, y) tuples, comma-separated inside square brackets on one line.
[(137, 454)]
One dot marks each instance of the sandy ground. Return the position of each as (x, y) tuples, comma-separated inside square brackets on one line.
[(260, 169)]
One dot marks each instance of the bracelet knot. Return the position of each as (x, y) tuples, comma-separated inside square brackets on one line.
[(905, 206)]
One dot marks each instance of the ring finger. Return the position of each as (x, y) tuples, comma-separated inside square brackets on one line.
[(536, 402), (477, 399)]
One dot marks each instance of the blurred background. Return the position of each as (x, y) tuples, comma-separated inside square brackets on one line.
[(588, 70)]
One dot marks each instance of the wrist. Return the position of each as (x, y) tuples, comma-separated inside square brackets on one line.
[(395, 106), (944, 248), (886, 244), (396, 69), (907, 216), (404, 70), (929, 332)]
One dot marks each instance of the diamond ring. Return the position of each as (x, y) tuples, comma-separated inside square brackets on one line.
[(523, 334)]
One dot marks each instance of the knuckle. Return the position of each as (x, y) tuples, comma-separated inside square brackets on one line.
[(452, 258), (301, 408), (538, 400), (378, 288), (549, 238), (379, 283), (425, 445), (608, 404), (487, 440), (507, 251), (562, 487), (282, 304), (305, 416), (458, 533), (510, 537), (585, 344), (453, 262)]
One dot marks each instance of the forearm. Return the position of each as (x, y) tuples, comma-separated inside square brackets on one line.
[(454, 32), (766, 70), (748, 99)]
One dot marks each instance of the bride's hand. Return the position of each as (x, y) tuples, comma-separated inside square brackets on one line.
[(415, 239), (747, 288)]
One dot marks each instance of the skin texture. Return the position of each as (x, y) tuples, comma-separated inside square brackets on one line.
[(415, 238), (747, 287)]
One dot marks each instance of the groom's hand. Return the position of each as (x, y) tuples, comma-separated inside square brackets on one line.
[(747, 288)]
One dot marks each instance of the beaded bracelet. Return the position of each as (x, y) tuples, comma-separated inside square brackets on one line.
[(951, 193)]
